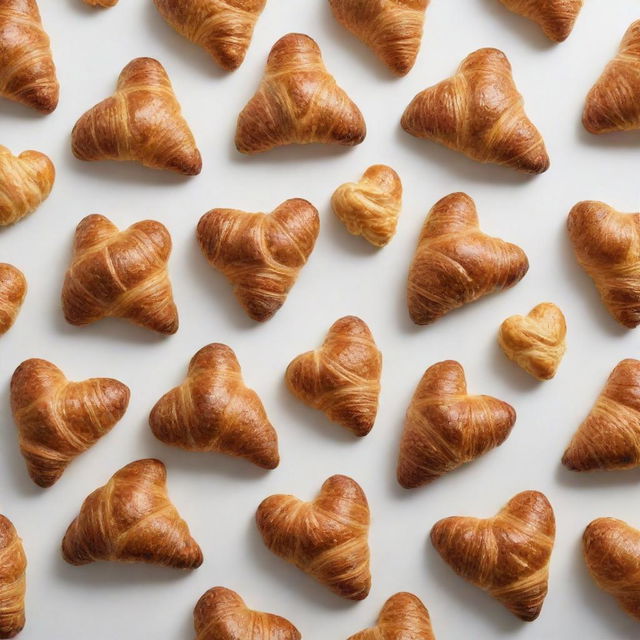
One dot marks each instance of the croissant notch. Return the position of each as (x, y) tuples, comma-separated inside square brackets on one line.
[(13, 289), (555, 17), (13, 585)]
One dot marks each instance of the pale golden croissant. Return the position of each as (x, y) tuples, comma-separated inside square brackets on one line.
[(403, 617), (25, 182), (261, 254), (224, 28), (555, 17), (607, 246), (609, 437), (371, 207), (326, 538), (141, 122), (57, 419), (13, 585), (213, 410), (342, 377), (446, 428), (221, 614), (536, 342), (391, 28), (121, 274), (611, 550), (28, 72), (507, 555), (456, 263), (13, 289), (479, 112), (298, 102), (131, 519)]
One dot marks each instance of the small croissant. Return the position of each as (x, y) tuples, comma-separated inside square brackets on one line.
[(609, 437), (57, 420), (326, 538), (507, 555), (536, 342), (131, 519), (141, 122), (120, 274), (455, 263), (298, 102), (480, 113), (371, 207), (446, 428), (28, 72), (221, 614), (102, 3), (212, 410), (13, 585), (261, 254), (555, 17), (13, 289), (391, 28), (25, 182), (223, 28), (342, 377)]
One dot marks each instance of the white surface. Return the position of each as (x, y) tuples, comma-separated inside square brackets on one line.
[(217, 495)]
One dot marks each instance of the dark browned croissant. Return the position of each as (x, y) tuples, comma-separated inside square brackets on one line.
[(13, 289), (13, 585), (555, 17)]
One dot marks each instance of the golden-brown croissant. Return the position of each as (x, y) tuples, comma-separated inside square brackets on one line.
[(223, 28), (131, 519), (298, 102), (536, 342), (121, 274), (57, 420), (342, 377), (371, 207), (261, 254), (13, 289), (507, 555), (555, 17), (221, 614), (446, 428), (479, 112), (607, 246), (213, 410), (456, 263), (326, 538), (391, 28), (13, 585), (28, 73), (611, 550), (141, 122), (102, 3), (25, 182)]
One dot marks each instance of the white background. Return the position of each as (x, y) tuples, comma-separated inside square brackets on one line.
[(218, 495)]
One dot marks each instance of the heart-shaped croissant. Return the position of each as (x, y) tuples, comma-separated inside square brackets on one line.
[(555, 17), (326, 538), (298, 102), (479, 112), (13, 585), (261, 254), (13, 289), (446, 428), (221, 614), (507, 555), (456, 263)]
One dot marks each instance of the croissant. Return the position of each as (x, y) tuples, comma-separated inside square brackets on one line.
[(611, 550), (13, 564), (28, 72), (555, 17), (536, 342), (121, 274), (391, 28), (221, 614), (212, 410), (223, 28), (479, 112), (131, 519), (507, 555), (58, 420), (342, 377), (141, 122), (261, 254), (102, 3), (455, 263), (298, 102), (446, 428), (25, 182), (326, 538), (13, 289), (371, 207)]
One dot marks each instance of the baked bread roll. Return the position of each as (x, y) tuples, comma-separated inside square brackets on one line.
[(555, 17), (13, 289), (13, 585)]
